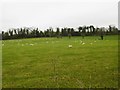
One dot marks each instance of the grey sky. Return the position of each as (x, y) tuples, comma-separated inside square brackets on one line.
[(59, 13)]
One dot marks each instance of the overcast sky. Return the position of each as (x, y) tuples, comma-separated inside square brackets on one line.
[(58, 13)]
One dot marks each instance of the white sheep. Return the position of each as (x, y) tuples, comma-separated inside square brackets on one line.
[(83, 43), (70, 46), (31, 44)]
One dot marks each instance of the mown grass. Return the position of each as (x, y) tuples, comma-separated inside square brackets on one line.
[(50, 63)]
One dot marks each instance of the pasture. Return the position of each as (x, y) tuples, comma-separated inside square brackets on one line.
[(51, 63)]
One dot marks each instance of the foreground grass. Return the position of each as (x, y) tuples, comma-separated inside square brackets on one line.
[(49, 63)]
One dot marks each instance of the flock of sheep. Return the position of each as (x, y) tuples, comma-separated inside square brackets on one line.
[(32, 44)]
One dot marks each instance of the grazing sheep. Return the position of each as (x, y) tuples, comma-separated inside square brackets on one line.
[(83, 43), (70, 46), (31, 44)]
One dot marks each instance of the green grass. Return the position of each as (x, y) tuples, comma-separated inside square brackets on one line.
[(50, 63)]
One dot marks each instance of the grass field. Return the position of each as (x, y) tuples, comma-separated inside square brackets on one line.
[(50, 63)]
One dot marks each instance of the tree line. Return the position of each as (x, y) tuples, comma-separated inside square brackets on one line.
[(26, 32)]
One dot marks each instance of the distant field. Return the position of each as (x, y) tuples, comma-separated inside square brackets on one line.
[(50, 63)]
